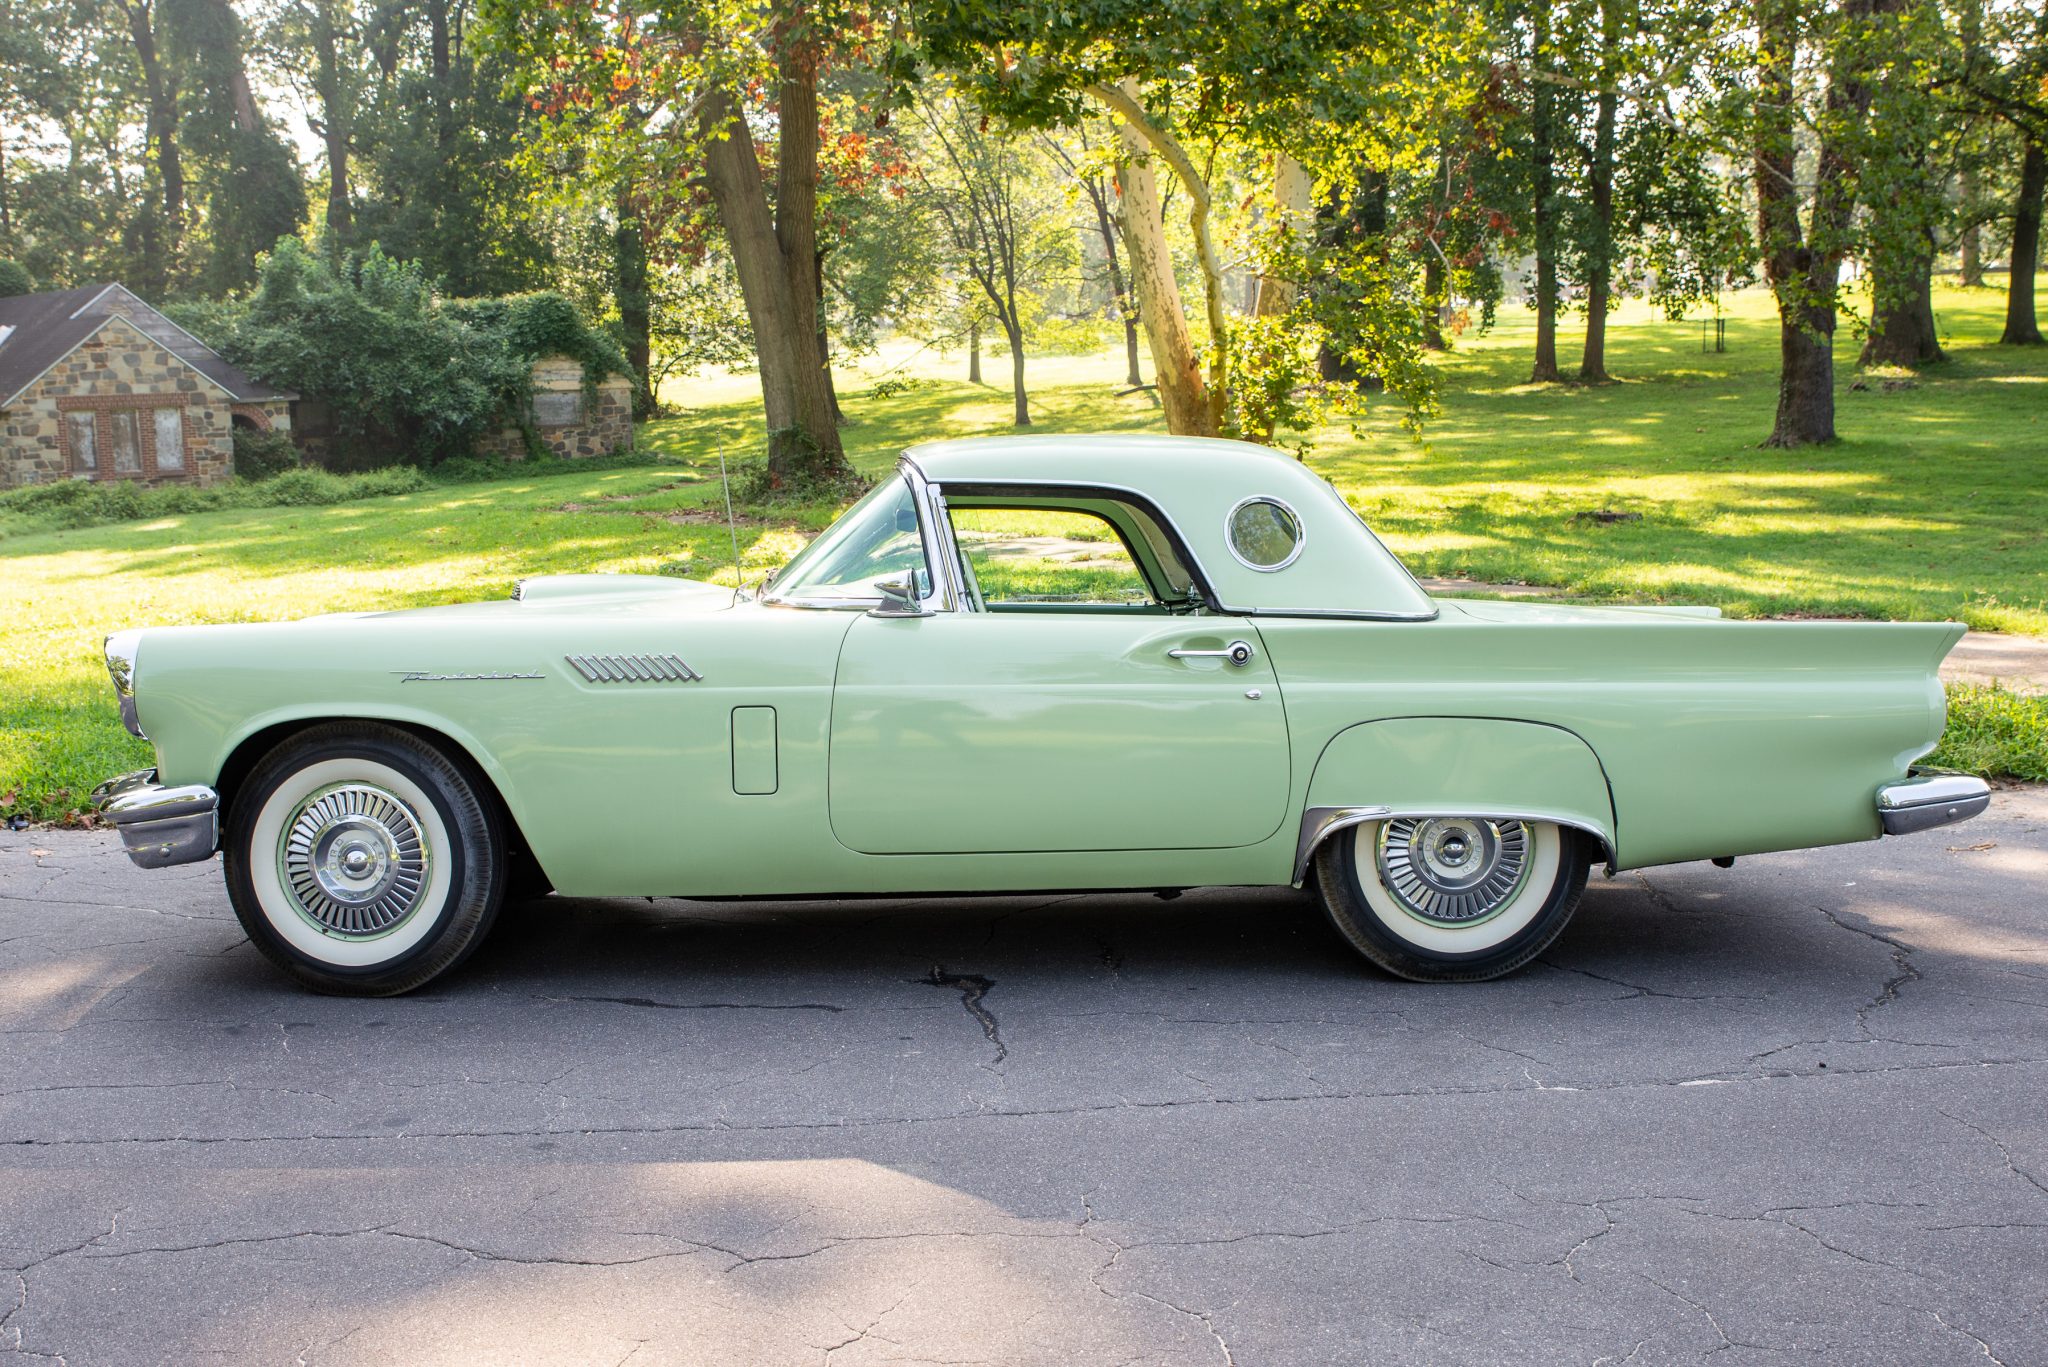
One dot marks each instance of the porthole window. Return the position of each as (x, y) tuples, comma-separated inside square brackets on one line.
[(1264, 534)]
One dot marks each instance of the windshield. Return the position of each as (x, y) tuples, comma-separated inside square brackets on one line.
[(876, 539)]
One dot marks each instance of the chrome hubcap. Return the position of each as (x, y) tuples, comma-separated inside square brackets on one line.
[(353, 860), (1453, 871)]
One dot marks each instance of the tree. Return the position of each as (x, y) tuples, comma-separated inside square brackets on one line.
[(1905, 143), (1803, 254), (1086, 172), (667, 93), (1003, 219), (254, 193), (1259, 77)]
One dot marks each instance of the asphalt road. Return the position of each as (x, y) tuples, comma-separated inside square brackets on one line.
[(1793, 1111)]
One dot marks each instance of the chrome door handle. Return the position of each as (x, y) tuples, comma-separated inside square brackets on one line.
[(1239, 653)]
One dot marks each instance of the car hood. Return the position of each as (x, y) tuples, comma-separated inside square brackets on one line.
[(581, 595)]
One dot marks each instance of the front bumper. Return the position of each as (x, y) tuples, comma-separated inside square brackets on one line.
[(1927, 800), (161, 826)]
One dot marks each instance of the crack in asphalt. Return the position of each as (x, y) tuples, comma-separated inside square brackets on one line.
[(1902, 960), (1028, 1113), (652, 1004), (972, 987)]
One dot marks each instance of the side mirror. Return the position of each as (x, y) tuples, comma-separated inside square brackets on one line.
[(900, 598)]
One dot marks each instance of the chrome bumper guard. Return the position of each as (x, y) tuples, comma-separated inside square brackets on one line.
[(161, 826), (1928, 800)]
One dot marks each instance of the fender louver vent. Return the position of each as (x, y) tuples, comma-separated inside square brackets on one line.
[(632, 668)]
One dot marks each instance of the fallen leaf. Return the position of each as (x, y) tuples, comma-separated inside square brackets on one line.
[(1972, 849)]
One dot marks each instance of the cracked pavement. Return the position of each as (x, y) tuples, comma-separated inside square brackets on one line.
[(1795, 1111)]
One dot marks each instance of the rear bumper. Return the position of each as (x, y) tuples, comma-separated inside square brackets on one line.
[(1928, 800), (161, 826)]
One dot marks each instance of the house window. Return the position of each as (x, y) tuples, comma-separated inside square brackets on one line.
[(170, 440), (84, 442), (124, 428), (558, 407)]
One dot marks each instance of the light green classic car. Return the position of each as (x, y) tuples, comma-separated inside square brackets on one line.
[(1019, 664)]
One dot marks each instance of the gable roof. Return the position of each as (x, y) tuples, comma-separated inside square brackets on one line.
[(48, 327)]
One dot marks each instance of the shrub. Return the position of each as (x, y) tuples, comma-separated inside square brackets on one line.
[(66, 505), (259, 455), (14, 279)]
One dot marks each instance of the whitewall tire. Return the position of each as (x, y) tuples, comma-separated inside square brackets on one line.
[(363, 860), (1452, 898)]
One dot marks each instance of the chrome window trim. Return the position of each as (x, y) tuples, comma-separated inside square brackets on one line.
[(1230, 539), (946, 590), (1200, 572)]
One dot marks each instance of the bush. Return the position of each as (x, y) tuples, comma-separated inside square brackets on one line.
[(260, 455), (14, 279), (1995, 732), (310, 487), (66, 505)]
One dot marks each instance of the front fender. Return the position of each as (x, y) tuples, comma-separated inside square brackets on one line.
[(1455, 766)]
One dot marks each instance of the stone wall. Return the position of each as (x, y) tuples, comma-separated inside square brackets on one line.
[(566, 421), (117, 370)]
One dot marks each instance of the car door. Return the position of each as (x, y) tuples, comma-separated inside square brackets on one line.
[(1055, 726)]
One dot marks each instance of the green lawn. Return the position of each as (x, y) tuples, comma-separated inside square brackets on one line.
[(1935, 504)]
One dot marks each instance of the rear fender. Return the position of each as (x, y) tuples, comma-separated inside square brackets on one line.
[(1455, 766)]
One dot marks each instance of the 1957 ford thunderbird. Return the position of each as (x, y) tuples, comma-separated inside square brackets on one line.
[(1019, 664)]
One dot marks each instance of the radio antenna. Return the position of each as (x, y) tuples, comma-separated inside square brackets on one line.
[(731, 525)]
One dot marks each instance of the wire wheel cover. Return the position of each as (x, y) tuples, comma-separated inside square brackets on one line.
[(353, 860), (1453, 871)]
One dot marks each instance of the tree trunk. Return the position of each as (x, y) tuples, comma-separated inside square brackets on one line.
[(1021, 414), (1139, 135), (1600, 252), (6, 220), (974, 353), (825, 342), (337, 124), (2022, 328), (1182, 393), (803, 441), (163, 242), (1126, 306), (1361, 217), (1803, 273), (1434, 285), (1970, 242), (630, 295), (1542, 156), (1902, 322), (1294, 199)]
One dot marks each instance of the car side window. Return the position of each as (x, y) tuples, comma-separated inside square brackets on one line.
[(1046, 559)]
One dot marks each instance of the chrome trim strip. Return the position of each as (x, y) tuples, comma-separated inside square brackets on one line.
[(607, 669), (1319, 823), (160, 826), (121, 649), (1925, 801), (1230, 538), (935, 531), (1340, 614)]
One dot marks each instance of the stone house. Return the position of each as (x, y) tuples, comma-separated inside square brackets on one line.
[(96, 384), (568, 421)]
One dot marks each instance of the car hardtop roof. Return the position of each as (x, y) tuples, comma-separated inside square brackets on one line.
[(1341, 569), (1131, 459)]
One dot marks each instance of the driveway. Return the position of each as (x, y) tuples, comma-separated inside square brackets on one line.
[(1792, 1111)]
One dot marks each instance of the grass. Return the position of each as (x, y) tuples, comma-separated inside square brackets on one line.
[(1934, 504), (1993, 731)]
